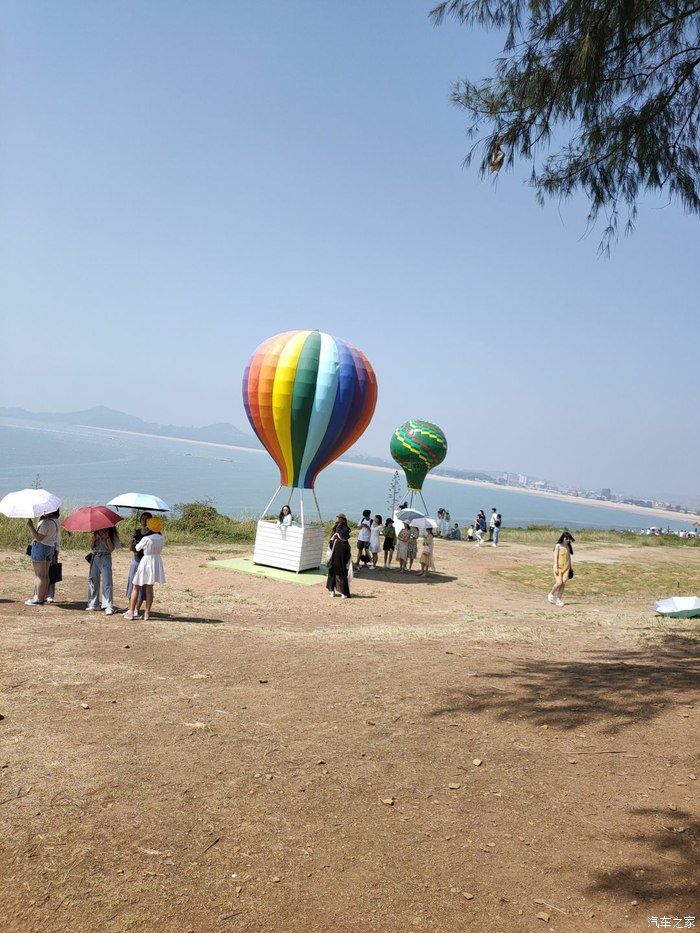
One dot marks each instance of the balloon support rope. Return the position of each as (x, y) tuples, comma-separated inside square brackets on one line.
[(412, 497)]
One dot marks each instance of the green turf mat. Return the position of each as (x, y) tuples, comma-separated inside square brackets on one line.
[(246, 565)]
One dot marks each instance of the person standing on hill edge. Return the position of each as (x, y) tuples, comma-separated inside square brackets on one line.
[(496, 530), (563, 571), (492, 522), (480, 527)]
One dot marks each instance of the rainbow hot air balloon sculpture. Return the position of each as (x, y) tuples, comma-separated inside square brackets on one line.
[(417, 447), (308, 396)]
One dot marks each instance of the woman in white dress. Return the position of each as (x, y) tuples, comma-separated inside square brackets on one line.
[(375, 543), (150, 570)]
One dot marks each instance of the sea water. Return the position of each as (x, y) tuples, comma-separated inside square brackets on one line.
[(86, 466)]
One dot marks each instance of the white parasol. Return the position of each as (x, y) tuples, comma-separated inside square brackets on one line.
[(139, 500), (29, 503), (422, 523)]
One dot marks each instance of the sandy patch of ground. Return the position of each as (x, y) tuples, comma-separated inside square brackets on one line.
[(263, 758)]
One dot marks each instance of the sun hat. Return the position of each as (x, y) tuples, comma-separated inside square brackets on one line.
[(155, 525)]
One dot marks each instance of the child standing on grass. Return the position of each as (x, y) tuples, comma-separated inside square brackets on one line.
[(389, 542)]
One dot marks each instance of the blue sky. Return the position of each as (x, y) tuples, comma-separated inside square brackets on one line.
[(181, 180)]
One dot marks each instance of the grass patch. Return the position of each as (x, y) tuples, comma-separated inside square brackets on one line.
[(592, 579), (548, 534), (189, 523)]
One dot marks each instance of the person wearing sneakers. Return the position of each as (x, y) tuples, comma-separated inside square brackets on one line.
[(141, 532), (375, 543), (51, 591), (496, 530), (480, 527), (563, 552), (150, 569), (492, 523), (363, 536), (41, 551), (104, 542)]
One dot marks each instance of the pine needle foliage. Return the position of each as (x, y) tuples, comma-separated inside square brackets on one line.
[(599, 96)]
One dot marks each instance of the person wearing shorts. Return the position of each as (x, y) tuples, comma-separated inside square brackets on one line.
[(363, 536), (43, 547), (389, 542)]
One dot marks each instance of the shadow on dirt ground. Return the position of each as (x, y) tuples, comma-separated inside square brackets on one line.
[(667, 870), (155, 615), (406, 579), (611, 690)]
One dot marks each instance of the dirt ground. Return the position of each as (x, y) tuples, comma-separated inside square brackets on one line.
[(449, 755)]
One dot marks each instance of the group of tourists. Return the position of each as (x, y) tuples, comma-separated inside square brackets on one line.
[(481, 526), (375, 536), (146, 568)]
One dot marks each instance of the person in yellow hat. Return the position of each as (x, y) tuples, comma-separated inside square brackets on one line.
[(150, 570)]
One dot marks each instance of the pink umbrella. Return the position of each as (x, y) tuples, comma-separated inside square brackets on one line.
[(91, 518)]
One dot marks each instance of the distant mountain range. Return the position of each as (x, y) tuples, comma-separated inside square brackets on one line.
[(219, 433), (224, 433), (103, 417)]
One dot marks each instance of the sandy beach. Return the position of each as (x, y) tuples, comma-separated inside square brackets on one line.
[(618, 506)]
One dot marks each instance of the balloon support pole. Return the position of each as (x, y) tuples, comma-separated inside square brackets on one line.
[(294, 547), (418, 492)]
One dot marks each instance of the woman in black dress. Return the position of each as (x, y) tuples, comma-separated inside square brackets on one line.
[(341, 555)]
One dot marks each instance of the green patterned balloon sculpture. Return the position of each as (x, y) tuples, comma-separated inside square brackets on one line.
[(417, 447)]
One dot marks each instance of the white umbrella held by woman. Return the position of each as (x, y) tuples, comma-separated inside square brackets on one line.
[(29, 503)]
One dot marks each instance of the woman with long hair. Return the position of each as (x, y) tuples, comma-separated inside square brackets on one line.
[(104, 542), (285, 517), (412, 547), (426, 558), (563, 552), (404, 540), (44, 537), (339, 564)]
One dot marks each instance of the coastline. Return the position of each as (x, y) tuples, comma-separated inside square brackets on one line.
[(483, 484)]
